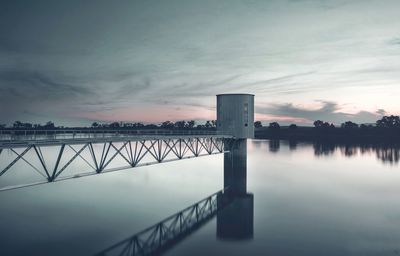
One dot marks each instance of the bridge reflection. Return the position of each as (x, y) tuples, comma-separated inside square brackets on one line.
[(233, 206), (234, 221), (163, 235)]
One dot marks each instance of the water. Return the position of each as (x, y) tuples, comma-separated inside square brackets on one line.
[(309, 199)]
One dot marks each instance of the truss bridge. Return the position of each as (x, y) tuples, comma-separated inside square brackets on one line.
[(52, 156)]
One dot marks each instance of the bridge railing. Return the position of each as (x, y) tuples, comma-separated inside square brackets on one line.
[(36, 134)]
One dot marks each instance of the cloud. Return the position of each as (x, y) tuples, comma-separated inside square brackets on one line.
[(381, 112), (31, 85), (136, 56), (323, 4), (328, 111), (33, 96), (394, 41)]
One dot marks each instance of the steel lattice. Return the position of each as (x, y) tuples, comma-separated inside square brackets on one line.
[(131, 151)]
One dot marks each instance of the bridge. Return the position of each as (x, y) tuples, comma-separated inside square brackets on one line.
[(100, 150)]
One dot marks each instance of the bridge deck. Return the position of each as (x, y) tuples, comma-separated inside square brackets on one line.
[(45, 141)]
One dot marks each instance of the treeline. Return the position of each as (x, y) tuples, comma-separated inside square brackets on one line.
[(210, 124), (388, 127), (22, 125)]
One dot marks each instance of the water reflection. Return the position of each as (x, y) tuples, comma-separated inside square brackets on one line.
[(323, 148), (274, 146), (160, 237), (303, 205), (293, 144), (385, 152), (391, 155), (235, 162), (233, 206), (235, 221)]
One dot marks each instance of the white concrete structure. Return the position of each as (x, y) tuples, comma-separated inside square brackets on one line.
[(235, 115)]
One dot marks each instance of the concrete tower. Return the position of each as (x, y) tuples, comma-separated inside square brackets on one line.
[(235, 115)]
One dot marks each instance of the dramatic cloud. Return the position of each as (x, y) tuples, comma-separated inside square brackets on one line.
[(79, 61), (327, 111), (27, 85)]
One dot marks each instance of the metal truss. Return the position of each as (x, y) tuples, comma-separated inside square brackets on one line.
[(168, 232), (132, 151)]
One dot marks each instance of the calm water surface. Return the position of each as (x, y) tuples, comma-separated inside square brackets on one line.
[(309, 199)]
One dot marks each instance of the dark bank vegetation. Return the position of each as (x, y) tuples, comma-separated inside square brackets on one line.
[(179, 125), (387, 128)]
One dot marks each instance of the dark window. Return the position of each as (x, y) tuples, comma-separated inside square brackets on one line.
[(245, 125)]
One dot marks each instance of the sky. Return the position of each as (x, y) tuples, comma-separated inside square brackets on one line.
[(75, 62)]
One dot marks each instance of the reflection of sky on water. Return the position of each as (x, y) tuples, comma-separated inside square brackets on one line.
[(304, 204)]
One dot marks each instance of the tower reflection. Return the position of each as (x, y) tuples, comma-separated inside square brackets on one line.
[(235, 219)]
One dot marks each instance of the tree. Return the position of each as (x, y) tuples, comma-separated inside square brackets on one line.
[(208, 124), (326, 125), (95, 125), (28, 125), (365, 126), (49, 125), (323, 125), (138, 125), (190, 124), (180, 124), (17, 124), (274, 126), (349, 125), (389, 122), (167, 125), (318, 124), (127, 125), (214, 123), (292, 127), (257, 124), (2, 126), (150, 126), (114, 125), (20, 125)]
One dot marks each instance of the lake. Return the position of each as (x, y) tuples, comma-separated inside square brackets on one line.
[(309, 199)]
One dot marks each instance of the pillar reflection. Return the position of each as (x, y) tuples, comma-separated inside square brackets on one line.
[(235, 221)]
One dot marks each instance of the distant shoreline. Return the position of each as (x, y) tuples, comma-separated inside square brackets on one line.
[(330, 134)]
